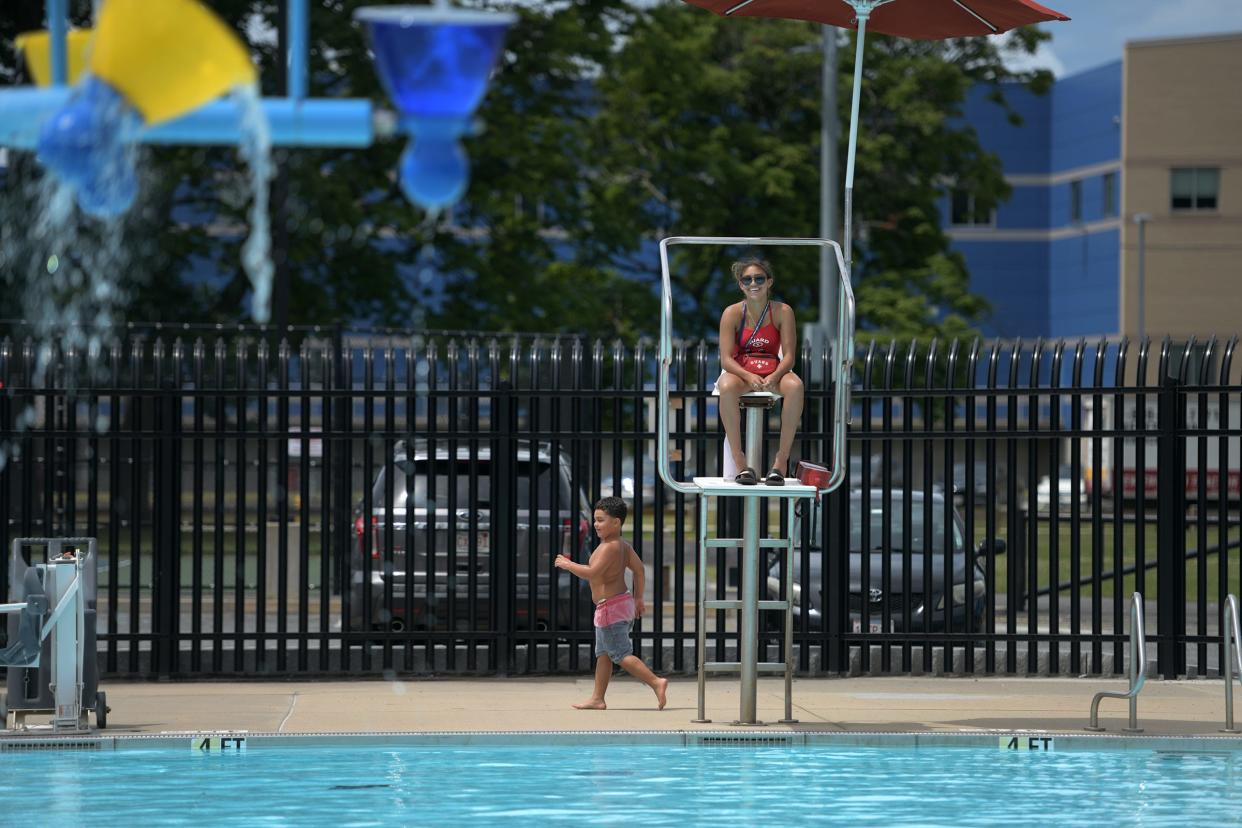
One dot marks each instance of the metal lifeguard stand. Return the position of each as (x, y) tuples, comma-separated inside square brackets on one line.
[(755, 404)]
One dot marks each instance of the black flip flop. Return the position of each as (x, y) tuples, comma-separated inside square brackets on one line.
[(747, 477), (774, 478)]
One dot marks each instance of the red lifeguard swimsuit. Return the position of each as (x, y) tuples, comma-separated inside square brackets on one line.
[(764, 343)]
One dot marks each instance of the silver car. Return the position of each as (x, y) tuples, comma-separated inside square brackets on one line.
[(446, 505), (950, 576)]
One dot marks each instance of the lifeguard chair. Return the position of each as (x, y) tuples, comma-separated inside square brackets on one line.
[(755, 404)]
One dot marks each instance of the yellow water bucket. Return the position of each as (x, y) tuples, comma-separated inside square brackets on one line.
[(168, 57), (37, 48)]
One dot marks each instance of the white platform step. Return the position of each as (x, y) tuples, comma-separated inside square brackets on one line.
[(724, 486)]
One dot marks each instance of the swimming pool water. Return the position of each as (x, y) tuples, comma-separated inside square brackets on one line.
[(653, 785)]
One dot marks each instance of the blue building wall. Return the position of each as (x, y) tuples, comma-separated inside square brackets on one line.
[(1086, 119), (1044, 272), (1027, 207), (1083, 284), (1023, 148), (1012, 276), (1011, 273)]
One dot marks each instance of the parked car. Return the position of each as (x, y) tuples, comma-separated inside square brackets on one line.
[(1065, 490), (463, 542), (966, 590)]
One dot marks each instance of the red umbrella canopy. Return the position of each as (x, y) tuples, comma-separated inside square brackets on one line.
[(920, 19)]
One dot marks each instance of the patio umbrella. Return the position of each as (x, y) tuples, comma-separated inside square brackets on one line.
[(919, 19)]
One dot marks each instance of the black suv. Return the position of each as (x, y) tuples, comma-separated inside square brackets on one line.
[(451, 589), (965, 591)]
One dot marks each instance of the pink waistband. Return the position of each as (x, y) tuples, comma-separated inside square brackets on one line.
[(615, 609)]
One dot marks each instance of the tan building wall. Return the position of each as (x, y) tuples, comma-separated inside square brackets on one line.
[(1182, 107)]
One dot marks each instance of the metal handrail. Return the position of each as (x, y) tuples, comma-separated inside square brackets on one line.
[(844, 356), (1233, 658), (1137, 670)]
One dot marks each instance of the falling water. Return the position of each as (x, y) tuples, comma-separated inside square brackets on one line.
[(72, 300), (66, 281), (69, 270), (256, 149)]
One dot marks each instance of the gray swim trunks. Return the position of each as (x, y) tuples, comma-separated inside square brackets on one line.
[(613, 641)]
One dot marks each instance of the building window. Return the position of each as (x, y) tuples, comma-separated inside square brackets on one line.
[(1110, 194), (1195, 188), (967, 210), (1075, 201)]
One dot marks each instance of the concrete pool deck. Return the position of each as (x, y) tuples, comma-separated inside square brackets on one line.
[(516, 705)]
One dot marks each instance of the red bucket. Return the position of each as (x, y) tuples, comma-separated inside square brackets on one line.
[(810, 474)]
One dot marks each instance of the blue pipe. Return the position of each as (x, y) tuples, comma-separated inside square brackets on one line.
[(345, 122), (299, 49), (23, 110), (58, 29)]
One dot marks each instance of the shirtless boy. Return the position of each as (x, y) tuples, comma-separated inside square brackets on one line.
[(615, 607)]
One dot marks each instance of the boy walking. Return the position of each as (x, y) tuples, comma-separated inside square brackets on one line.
[(615, 607)]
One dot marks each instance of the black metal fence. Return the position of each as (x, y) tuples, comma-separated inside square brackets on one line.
[(395, 503)]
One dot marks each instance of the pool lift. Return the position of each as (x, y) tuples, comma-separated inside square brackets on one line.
[(755, 404), (51, 629)]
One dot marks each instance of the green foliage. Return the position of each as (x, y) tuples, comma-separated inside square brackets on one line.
[(607, 127), (339, 222), (712, 128), (529, 258)]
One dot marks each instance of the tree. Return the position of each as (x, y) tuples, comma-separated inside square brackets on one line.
[(357, 252), (339, 210), (529, 258), (606, 126), (709, 126), (176, 254)]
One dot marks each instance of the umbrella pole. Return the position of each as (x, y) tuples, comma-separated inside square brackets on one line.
[(863, 14)]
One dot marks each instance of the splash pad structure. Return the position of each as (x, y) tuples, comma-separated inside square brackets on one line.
[(156, 74)]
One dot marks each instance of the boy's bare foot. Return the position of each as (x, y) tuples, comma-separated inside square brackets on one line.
[(661, 691), (596, 704)]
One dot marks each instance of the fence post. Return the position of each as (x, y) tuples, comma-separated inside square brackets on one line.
[(503, 516), (7, 444), (6, 457), (1171, 535), (340, 535), (166, 509), (1017, 555), (834, 532)]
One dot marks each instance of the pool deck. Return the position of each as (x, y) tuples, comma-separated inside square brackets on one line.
[(516, 705)]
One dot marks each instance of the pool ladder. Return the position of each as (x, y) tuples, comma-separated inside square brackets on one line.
[(1233, 658), (1136, 669)]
